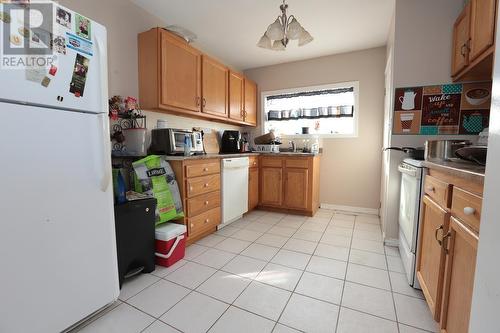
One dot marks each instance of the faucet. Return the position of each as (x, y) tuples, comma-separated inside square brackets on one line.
[(292, 145)]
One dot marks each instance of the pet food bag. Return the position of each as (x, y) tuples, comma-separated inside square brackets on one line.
[(154, 176)]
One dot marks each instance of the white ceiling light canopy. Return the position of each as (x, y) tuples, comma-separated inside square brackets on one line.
[(282, 30)]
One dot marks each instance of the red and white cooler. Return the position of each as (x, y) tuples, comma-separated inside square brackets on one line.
[(170, 243)]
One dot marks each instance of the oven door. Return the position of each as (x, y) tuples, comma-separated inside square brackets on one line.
[(409, 205)]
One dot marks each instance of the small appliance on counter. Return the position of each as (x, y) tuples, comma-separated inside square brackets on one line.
[(230, 142), (170, 141), (444, 150)]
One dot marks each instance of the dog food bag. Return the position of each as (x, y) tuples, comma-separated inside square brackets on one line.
[(154, 176)]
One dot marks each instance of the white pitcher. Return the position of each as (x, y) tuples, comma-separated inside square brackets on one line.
[(408, 100)]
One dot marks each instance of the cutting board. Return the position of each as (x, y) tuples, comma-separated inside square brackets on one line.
[(210, 141)]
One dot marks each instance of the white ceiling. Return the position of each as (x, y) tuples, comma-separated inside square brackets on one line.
[(230, 29)]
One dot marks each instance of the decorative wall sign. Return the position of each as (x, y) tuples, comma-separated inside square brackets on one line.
[(442, 109)]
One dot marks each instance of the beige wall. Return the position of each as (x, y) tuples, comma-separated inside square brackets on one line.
[(421, 41), (124, 20), (350, 168)]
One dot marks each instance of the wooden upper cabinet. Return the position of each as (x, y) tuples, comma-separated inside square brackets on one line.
[(250, 103), (431, 258), (296, 188), (180, 74), (459, 281), (482, 26), (461, 37), (175, 77), (236, 96), (214, 87), (271, 189)]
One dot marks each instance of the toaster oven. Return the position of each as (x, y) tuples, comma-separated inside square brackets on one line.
[(170, 141)]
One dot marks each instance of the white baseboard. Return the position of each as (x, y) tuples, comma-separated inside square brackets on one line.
[(351, 209), (391, 242)]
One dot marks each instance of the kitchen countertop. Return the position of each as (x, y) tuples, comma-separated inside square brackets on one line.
[(469, 170), (208, 156)]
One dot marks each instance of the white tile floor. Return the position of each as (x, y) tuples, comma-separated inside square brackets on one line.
[(271, 272)]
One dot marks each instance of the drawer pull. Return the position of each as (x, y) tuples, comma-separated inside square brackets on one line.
[(192, 225), (205, 169), (206, 185), (440, 241), (207, 220), (469, 211), (206, 203), (190, 188), (431, 189)]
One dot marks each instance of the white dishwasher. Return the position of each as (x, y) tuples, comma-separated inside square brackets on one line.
[(234, 189)]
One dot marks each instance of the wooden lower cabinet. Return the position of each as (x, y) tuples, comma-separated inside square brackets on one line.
[(271, 186), (290, 184), (296, 188), (430, 264), (200, 189), (459, 280), (253, 188), (448, 241)]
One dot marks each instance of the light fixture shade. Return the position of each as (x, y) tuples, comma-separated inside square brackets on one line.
[(305, 38), (278, 45), (275, 30), (265, 42), (294, 29)]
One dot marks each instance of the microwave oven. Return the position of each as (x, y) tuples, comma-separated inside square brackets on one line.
[(170, 141)]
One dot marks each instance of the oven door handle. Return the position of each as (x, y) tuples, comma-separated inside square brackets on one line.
[(412, 173)]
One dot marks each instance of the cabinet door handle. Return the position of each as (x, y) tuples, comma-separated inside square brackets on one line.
[(469, 211), (206, 185), (207, 220), (197, 101), (206, 203), (192, 225), (463, 50), (204, 102), (445, 241), (440, 241)]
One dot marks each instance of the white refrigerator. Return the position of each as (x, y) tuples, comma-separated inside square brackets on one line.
[(57, 234)]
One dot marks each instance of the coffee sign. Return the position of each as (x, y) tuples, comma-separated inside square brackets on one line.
[(442, 109)]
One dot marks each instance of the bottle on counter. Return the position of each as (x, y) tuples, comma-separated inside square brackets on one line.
[(187, 145)]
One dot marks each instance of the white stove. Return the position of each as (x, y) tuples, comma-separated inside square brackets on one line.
[(412, 173)]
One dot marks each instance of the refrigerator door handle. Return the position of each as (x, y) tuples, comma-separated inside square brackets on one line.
[(105, 166), (104, 129)]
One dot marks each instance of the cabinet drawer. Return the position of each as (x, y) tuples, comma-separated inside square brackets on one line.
[(273, 162), (253, 161), (201, 185), (204, 222), (438, 190), (302, 163), (467, 207), (196, 170), (203, 203)]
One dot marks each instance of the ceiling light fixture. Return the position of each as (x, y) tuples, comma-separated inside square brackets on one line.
[(281, 31)]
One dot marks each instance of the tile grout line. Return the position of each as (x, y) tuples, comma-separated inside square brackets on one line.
[(300, 278), (345, 274), (244, 289)]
